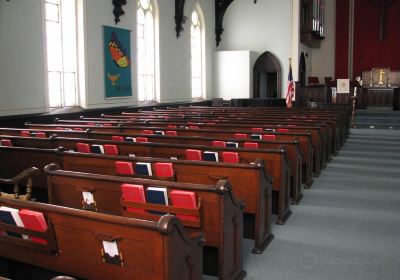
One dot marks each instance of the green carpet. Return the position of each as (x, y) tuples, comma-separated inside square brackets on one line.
[(348, 224)]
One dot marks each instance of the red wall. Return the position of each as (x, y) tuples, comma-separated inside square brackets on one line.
[(369, 52), (342, 38)]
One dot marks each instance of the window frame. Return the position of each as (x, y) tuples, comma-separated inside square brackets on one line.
[(201, 25), (143, 76), (62, 68)]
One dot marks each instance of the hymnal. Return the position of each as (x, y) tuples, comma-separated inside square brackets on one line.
[(25, 133), (111, 150), (35, 221), (193, 154), (156, 195), (219, 144), (143, 168), (83, 147), (142, 139), (117, 138), (184, 199), (231, 157), (270, 129), (130, 139), (148, 132), (40, 135), (250, 145), (211, 156), (240, 136), (164, 169), (255, 136), (11, 216), (171, 133), (97, 149), (283, 130), (256, 129), (232, 144), (159, 132), (269, 137), (124, 168), (133, 193), (6, 143)]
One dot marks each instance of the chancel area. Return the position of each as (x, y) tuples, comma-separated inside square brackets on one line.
[(199, 139)]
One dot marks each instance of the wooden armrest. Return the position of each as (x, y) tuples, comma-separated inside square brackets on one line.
[(21, 176)]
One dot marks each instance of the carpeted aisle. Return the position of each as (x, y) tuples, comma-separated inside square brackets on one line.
[(348, 224)]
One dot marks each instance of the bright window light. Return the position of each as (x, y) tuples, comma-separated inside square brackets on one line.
[(61, 35), (196, 51), (146, 50)]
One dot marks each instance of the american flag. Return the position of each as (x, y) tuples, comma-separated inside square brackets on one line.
[(290, 90)]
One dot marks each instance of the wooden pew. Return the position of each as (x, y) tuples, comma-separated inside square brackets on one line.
[(342, 115), (292, 147), (321, 136), (146, 249), (275, 162), (219, 215), (310, 158), (329, 134), (337, 121), (295, 155), (319, 139), (249, 181)]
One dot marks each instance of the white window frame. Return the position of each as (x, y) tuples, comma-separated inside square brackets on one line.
[(61, 71), (145, 97), (201, 24)]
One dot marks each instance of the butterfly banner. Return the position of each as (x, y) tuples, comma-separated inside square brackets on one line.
[(117, 62)]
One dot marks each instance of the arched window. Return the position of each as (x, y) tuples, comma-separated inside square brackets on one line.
[(61, 39), (146, 50), (197, 55)]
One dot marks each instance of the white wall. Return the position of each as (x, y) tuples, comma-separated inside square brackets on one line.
[(22, 60), (175, 54), (233, 72), (99, 13), (261, 27), (323, 59), (22, 85)]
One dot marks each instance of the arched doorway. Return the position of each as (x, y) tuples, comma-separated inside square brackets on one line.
[(302, 70), (267, 77)]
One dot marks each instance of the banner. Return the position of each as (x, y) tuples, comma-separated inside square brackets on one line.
[(117, 62)]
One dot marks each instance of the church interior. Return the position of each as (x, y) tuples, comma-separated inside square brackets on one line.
[(199, 139)]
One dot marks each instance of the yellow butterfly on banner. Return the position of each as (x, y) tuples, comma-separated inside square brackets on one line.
[(117, 52)]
